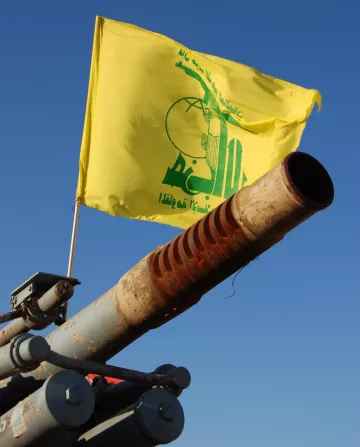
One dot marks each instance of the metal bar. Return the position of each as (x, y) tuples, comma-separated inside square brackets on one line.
[(73, 238), (8, 316), (72, 248), (12, 329), (178, 378), (62, 291)]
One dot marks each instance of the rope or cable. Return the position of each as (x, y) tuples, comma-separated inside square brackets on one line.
[(234, 278)]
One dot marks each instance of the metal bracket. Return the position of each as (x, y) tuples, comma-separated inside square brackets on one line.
[(36, 286)]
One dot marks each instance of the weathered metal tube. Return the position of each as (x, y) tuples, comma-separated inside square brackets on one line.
[(65, 400), (12, 329), (53, 298), (157, 418), (174, 277), (24, 353)]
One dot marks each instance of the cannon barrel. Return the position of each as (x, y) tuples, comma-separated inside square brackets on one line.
[(174, 277)]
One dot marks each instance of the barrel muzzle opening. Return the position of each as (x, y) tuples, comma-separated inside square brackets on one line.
[(308, 180)]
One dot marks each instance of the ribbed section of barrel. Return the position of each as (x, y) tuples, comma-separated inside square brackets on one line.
[(241, 228)]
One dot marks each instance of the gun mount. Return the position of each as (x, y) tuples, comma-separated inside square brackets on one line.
[(160, 287)]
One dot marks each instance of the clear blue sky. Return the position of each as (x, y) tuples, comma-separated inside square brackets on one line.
[(277, 365)]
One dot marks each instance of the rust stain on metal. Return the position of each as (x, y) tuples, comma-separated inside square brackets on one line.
[(92, 346), (77, 338)]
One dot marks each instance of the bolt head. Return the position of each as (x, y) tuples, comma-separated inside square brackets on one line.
[(73, 395), (167, 411)]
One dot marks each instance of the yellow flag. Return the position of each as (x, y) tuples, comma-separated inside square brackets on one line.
[(170, 133)]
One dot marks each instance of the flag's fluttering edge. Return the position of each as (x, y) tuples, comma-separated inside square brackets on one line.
[(170, 133)]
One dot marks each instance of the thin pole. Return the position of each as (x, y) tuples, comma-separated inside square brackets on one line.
[(72, 247), (73, 238)]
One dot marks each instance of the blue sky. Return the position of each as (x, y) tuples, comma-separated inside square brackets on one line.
[(276, 365)]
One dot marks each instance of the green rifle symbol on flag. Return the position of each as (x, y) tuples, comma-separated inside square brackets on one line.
[(207, 140)]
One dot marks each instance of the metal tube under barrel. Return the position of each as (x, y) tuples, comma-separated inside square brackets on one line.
[(157, 418), (65, 400)]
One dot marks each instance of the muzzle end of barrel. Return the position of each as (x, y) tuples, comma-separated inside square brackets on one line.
[(308, 181)]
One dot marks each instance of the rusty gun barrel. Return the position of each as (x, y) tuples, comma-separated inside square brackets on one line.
[(175, 276)]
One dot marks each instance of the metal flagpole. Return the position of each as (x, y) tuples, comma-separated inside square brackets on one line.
[(72, 246), (73, 238)]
